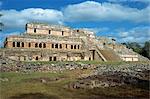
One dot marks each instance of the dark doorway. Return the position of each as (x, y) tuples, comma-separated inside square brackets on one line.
[(62, 32), (29, 44), (54, 58), (49, 31), (34, 30), (36, 44), (78, 46), (13, 44), (40, 45), (74, 46), (18, 44), (71, 46), (89, 58), (50, 58), (60, 46), (52, 45), (56, 45), (93, 54), (22, 44), (44, 45), (36, 58)]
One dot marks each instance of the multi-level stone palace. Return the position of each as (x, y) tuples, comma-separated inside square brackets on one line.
[(42, 42)]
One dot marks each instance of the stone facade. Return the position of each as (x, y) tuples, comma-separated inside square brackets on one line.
[(42, 42)]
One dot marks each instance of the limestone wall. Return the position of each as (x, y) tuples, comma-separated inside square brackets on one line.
[(28, 43), (129, 57), (41, 55), (48, 30)]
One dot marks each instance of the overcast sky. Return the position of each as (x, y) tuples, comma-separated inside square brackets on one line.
[(125, 20)]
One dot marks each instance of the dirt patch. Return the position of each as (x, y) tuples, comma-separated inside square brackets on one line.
[(34, 96)]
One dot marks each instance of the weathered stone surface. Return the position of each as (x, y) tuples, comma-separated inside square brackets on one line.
[(136, 74)]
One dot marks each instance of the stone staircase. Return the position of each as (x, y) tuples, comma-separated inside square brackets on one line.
[(109, 55), (105, 54)]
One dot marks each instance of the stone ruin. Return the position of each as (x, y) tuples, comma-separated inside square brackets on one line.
[(42, 42)]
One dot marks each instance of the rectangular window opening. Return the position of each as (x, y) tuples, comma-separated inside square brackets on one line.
[(54, 58), (71, 46), (78, 46), (22, 44), (52, 45), (18, 44), (13, 44), (74, 46), (49, 31), (50, 58), (56, 45), (60, 46), (62, 32), (34, 30), (29, 44)]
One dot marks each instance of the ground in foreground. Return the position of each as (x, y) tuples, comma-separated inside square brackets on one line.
[(46, 85)]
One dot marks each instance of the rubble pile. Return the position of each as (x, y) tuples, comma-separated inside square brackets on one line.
[(136, 74), (18, 66)]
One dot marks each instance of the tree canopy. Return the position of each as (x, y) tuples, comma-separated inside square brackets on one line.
[(144, 51)]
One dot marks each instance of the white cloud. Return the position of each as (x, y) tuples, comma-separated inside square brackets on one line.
[(124, 34), (137, 34), (86, 11), (146, 1), (97, 30), (94, 11), (13, 18)]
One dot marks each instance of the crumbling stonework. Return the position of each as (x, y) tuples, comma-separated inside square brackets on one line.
[(42, 42)]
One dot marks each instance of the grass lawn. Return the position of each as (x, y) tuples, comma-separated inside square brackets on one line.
[(20, 84)]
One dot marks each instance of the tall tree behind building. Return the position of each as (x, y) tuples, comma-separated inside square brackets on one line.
[(135, 46), (146, 49)]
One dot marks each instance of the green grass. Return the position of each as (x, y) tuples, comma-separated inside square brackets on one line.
[(77, 62), (42, 62), (17, 83), (21, 83)]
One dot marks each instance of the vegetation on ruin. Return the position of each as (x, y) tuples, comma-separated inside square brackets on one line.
[(143, 50), (93, 62)]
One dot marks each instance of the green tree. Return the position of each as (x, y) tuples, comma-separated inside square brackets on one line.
[(135, 46), (146, 49)]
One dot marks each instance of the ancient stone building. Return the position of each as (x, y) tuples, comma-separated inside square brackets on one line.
[(42, 42)]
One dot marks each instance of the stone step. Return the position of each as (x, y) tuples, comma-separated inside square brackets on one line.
[(110, 55)]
